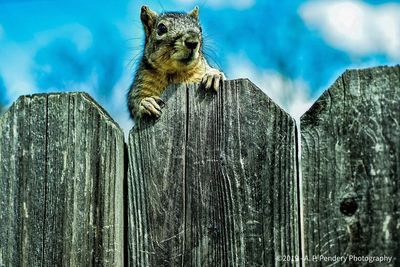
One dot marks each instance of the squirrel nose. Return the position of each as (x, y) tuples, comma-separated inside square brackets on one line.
[(191, 44)]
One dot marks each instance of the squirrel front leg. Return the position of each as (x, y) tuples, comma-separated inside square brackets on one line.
[(144, 99), (212, 77)]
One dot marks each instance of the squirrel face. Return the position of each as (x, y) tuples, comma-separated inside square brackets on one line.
[(173, 40)]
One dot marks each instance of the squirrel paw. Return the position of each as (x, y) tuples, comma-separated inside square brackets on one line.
[(151, 106), (212, 79)]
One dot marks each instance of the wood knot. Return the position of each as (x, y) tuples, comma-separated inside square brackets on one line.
[(222, 159), (348, 206)]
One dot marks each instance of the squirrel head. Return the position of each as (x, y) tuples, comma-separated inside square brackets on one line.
[(173, 40)]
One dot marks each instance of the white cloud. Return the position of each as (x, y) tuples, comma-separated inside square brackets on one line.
[(74, 32), (19, 80), (291, 95), (356, 27), (118, 105), (238, 4), (15, 70)]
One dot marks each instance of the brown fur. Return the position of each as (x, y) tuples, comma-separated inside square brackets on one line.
[(168, 59)]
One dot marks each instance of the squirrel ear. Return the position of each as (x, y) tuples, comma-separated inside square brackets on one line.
[(195, 13), (148, 18)]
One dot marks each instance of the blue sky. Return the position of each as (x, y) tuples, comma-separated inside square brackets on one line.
[(291, 49)]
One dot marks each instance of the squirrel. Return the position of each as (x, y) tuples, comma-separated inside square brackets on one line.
[(172, 54)]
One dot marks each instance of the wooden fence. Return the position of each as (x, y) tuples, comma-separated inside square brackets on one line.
[(215, 181), (351, 168), (61, 183)]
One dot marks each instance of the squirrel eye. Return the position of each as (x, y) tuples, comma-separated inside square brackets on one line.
[(161, 29)]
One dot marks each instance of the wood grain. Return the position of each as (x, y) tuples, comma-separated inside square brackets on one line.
[(213, 182), (351, 168), (61, 188)]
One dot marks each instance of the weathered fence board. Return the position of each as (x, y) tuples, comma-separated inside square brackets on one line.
[(61, 183), (351, 169), (213, 182)]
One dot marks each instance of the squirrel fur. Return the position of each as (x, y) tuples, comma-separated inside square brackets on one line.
[(172, 54)]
